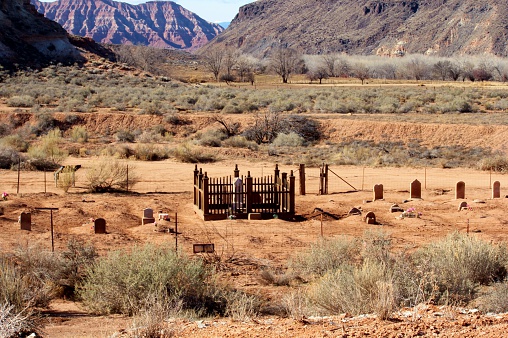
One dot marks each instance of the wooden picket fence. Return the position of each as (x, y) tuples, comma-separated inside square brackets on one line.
[(238, 196)]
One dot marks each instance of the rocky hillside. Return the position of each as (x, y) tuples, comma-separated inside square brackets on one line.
[(27, 38), (162, 24), (383, 27)]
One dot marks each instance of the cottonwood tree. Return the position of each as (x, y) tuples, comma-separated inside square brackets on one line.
[(330, 61), (317, 69), (284, 62), (442, 69), (213, 60), (361, 72), (417, 69), (246, 65)]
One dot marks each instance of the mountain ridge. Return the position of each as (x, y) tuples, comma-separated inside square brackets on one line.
[(162, 24), (366, 27)]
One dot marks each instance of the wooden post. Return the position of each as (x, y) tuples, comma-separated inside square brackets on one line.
[(363, 176), (302, 179), (196, 185), (205, 195), (127, 178), (176, 232), (249, 197), (19, 169), (490, 179), (326, 179), (44, 181), (237, 171), (321, 225), (291, 193), (51, 225), (425, 184)]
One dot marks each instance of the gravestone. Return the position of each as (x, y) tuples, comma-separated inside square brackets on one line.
[(378, 192), (415, 190), (25, 221), (370, 218), (237, 191), (147, 216), (99, 226), (460, 190), (463, 205), (496, 189), (354, 211), (396, 208)]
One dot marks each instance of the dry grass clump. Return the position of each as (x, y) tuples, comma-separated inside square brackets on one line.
[(189, 154), (240, 142), (110, 175), (496, 299), (497, 163), (366, 277)]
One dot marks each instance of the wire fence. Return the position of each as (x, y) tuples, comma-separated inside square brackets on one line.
[(177, 177)]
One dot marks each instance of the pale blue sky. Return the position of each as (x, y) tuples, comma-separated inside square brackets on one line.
[(210, 10)]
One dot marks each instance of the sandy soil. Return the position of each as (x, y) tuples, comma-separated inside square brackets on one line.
[(166, 186)]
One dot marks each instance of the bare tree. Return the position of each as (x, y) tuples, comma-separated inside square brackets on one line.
[(454, 71), (417, 69), (342, 67), (213, 61), (330, 61), (230, 60), (317, 69), (361, 72), (246, 66), (442, 69), (229, 127), (284, 62)]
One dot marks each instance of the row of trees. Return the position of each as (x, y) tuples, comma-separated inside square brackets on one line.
[(229, 65)]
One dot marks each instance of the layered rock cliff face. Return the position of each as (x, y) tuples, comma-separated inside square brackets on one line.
[(386, 27), (162, 24), (27, 38)]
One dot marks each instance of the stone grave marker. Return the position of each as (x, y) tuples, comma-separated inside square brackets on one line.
[(99, 226), (370, 218), (147, 216), (415, 190), (463, 205), (378, 192), (496, 189), (460, 190), (354, 211), (25, 221), (396, 208)]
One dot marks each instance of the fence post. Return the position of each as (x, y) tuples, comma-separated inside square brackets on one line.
[(291, 193), (302, 179), (196, 185), (326, 180), (237, 171), (204, 203), (249, 197)]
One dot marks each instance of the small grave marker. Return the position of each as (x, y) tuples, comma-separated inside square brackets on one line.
[(370, 218), (378, 192), (99, 226), (147, 216), (203, 248), (415, 190), (496, 189), (355, 211), (25, 221), (396, 208), (463, 205), (460, 190)]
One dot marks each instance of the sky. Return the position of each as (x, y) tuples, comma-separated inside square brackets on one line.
[(210, 10)]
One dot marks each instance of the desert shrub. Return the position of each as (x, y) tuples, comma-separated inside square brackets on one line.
[(15, 142), (123, 135), (288, 140), (459, 264), (211, 138), (45, 122), (49, 148), (175, 119), (365, 288), (123, 282), (8, 157), (24, 101), (66, 178), (118, 151), (14, 323), (189, 154), (240, 142), (150, 152), (152, 322), (496, 163), (241, 306), (270, 276), (110, 175), (79, 134), (324, 256), (495, 299)]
